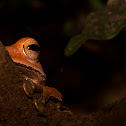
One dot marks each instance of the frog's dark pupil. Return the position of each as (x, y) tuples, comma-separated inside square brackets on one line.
[(33, 47)]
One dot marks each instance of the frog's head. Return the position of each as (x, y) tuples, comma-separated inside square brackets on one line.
[(25, 53)]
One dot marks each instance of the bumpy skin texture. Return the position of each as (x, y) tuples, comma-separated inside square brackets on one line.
[(25, 53)]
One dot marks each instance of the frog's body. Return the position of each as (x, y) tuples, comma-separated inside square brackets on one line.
[(25, 53)]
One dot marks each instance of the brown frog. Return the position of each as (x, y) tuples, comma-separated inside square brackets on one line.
[(25, 53)]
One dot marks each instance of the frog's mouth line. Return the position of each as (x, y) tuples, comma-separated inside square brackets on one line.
[(27, 67), (33, 72)]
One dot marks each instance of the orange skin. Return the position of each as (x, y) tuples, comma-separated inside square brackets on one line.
[(30, 59), (17, 54)]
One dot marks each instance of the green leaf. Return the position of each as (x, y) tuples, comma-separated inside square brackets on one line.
[(74, 44), (101, 25)]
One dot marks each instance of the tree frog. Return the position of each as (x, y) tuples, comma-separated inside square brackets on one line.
[(25, 53)]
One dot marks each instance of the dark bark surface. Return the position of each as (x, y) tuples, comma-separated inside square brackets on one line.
[(17, 109)]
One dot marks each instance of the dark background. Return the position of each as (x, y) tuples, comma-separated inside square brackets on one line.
[(92, 77)]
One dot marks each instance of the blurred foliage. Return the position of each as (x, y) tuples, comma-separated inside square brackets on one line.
[(103, 24), (69, 28), (109, 2), (75, 23), (96, 4)]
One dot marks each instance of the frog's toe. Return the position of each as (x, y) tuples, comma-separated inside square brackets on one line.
[(27, 86), (40, 105), (65, 109)]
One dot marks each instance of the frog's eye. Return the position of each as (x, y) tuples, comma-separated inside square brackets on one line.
[(32, 50)]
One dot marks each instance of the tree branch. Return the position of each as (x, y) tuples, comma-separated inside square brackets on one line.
[(17, 109)]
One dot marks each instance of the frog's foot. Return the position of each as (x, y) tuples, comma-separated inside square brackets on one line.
[(51, 92), (46, 94)]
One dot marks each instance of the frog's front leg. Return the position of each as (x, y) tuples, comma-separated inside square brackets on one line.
[(45, 93), (49, 92)]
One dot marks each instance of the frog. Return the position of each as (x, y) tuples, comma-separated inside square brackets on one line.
[(25, 54)]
